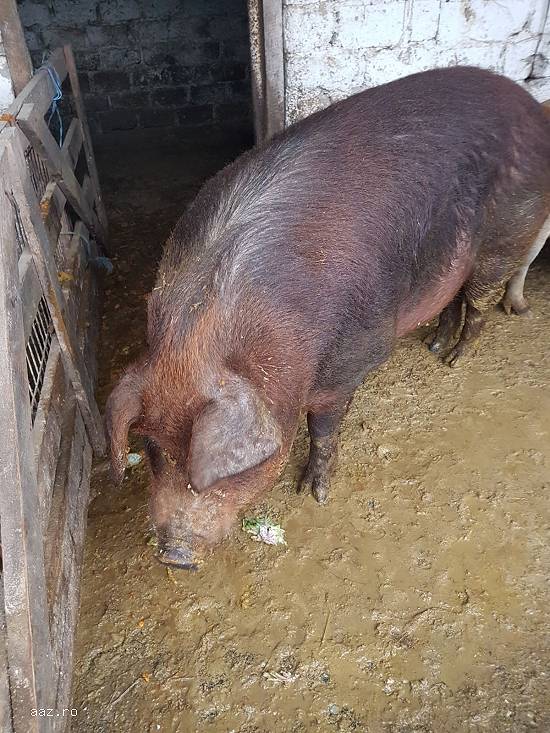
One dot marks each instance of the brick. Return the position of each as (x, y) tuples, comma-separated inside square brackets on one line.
[(238, 90), (188, 28), (233, 111), (56, 36), (209, 93), (518, 58), (199, 74), (84, 81), (210, 8), (111, 81), (120, 58), (95, 103), (195, 115), (129, 100), (235, 51), (158, 118), (170, 97), (87, 60), (171, 54), (116, 11), (95, 127), (33, 37), (71, 12), (118, 120), (101, 36), (232, 28), (228, 71), (481, 22), (32, 13), (151, 76)]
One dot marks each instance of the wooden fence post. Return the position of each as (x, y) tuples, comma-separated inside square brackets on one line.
[(47, 273), (29, 651)]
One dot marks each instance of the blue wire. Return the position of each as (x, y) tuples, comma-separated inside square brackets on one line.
[(57, 97)]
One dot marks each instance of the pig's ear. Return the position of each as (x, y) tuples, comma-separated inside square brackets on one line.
[(232, 434), (122, 410)]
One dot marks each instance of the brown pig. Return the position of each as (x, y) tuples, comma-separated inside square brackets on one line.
[(296, 268)]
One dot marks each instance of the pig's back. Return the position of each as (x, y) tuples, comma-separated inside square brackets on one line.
[(368, 200)]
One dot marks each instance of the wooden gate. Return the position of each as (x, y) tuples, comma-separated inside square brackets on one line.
[(52, 226)]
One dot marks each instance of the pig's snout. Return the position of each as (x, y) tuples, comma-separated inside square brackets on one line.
[(176, 556)]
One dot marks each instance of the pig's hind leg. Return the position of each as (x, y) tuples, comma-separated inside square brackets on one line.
[(450, 320), (514, 300), (483, 290)]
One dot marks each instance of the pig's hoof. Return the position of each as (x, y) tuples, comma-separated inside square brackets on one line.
[(454, 356), (436, 344), (519, 307), (317, 483), (320, 490)]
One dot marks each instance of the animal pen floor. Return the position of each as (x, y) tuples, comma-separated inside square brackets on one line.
[(416, 600)]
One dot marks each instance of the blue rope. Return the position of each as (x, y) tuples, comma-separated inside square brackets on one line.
[(57, 97)]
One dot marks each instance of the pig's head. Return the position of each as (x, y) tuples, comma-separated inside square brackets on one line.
[(213, 447)]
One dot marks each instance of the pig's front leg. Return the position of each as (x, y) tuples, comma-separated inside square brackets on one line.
[(323, 434)]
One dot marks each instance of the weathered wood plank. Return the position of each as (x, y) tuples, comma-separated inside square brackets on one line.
[(39, 91), (51, 208), (77, 262), (87, 140), (5, 702), (73, 142), (38, 134), (274, 66), (15, 46), (257, 67), (30, 291), (45, 265), (47, 428), (66, 543), (29, 652)]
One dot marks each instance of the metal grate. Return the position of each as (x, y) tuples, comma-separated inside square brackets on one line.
[(38, 349), (39, 173)]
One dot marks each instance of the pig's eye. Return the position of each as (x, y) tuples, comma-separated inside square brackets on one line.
[(155, 455)]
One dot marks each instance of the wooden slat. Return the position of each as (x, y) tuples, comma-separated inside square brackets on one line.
[(88, 320), (45, 265), (38, 134), (65, 545), (87, 140), (47, 428), (51, 208), (13, 38), (257, 67), (30, 291), (274, 66), (5, 703), (39, 91), (29, 653), (73, 142), (77, 262)]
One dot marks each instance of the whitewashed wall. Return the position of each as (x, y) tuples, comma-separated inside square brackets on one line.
[(334, 48), (6, 91)]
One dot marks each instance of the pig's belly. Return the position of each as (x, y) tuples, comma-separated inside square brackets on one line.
[(415, 313)]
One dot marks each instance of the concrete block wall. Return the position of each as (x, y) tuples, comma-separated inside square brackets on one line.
[(151, 64), (6, 90), (334, 48)]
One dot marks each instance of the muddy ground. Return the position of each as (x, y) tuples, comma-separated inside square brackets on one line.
[(416, 600)]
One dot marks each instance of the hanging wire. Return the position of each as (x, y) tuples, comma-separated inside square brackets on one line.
[(102, 263), (57, 97)]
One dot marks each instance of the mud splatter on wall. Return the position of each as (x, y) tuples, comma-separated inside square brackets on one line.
[(333, 49)]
